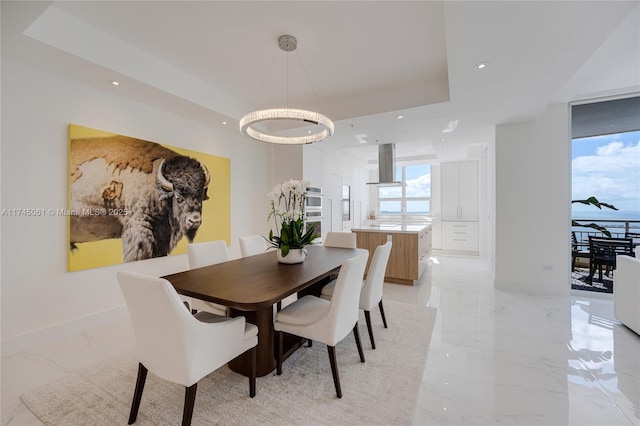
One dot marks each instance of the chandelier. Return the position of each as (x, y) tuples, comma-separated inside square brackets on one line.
[(248, 123)]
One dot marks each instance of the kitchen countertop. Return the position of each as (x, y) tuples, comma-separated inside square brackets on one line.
[(399, 227)]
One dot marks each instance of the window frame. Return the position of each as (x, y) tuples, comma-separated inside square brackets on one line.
[(403, 198)]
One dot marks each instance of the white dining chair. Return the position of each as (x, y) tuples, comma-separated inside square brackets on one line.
[(252, 245), (177, 346), (204, 254), (340, 239), (371, 293), (326, 321)]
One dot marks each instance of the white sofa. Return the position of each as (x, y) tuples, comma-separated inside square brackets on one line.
[(626, 292)]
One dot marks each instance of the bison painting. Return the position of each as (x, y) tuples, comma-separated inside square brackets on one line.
[(147, 195)]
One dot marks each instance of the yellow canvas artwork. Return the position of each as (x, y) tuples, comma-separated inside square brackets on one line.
[(131, 199)]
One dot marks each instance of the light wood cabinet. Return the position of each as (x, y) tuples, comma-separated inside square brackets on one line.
[(410, 252)]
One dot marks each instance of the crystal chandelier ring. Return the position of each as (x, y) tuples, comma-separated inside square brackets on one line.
[(272, 114), (248, 123)]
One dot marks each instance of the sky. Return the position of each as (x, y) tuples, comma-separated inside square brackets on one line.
[(607, 167)]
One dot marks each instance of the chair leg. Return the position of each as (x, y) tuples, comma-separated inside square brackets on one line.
[(280, 350), (137, 394), (334, 370), (356, 334), (600, 272), (309, 343), (384, 319), (367, 317), (189, 401), (252, 377), (592, 271)]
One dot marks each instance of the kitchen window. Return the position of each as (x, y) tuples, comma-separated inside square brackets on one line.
[(413, 198)]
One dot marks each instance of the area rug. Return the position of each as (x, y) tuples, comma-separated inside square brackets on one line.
[(579, 281), (382, 391)]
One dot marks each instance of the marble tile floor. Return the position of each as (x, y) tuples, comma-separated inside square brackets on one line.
[(496, 357)]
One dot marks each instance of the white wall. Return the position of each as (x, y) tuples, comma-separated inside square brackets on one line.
[(287, 163), (39, 298), (336, 172), (533, 198), (489, 246)]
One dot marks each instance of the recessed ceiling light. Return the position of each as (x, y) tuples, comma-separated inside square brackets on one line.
[(224, 122), (453, 124), (400, 117), (360, 137), (115, 83), (481, 66)]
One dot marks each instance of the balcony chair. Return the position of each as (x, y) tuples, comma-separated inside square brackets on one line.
[(325, 321), (177, 346), (205, 254), (604, 251), (371, 293), (577, 252), (635, 236)]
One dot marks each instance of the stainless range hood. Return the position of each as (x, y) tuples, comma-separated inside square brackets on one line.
[(386, 166)]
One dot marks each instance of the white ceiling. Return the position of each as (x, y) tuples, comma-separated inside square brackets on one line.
[(362, 63)]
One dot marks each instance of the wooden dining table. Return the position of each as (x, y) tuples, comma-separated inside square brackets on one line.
[(251, 286)]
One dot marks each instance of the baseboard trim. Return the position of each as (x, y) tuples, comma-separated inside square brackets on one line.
[(25, 341)]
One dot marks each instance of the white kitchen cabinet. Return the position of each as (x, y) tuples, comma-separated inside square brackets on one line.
[(460, 236), (459, 193), (459, 204)]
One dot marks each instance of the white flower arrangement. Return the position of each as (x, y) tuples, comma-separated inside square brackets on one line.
[(287, 210)]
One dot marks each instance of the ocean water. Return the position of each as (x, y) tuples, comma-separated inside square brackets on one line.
[(605, 213)]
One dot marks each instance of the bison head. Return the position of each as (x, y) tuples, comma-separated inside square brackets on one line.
[(184, 181)]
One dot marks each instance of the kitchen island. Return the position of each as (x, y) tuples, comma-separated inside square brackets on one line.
[(410, 250)]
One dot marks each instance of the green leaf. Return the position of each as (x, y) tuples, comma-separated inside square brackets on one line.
[(592, 226), (284, 236), (310, 235), (593, 201)]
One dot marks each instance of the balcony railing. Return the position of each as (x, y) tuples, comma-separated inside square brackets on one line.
[(618, 228)]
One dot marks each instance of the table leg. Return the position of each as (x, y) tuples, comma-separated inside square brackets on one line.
[(265, 360)]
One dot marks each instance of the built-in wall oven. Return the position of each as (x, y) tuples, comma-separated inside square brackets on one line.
[(313, 211), (314, 217), (314, 198)]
